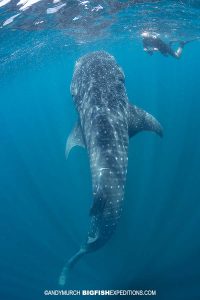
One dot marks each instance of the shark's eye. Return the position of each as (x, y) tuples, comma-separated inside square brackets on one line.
[(122, 79)]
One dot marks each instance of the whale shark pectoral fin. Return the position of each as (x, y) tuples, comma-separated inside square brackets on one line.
[(139, 120), (75, 139)]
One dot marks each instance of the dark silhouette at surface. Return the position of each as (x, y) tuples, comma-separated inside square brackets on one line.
[(152, 43)]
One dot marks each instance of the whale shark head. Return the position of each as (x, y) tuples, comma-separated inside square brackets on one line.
[(93, 70)]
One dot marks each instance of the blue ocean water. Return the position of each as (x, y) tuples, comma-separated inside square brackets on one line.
[(45, 199)]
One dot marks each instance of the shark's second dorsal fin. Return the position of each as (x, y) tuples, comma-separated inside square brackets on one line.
[(139, 120), (75, 139)]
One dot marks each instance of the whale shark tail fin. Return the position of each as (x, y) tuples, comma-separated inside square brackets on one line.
[(139, 120), (75, 139), (65, 274)]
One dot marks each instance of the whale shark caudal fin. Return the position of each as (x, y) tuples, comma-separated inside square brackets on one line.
[(139, 120), (75, 139), (64, 276)]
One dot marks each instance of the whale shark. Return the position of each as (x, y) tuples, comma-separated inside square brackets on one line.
[(106, 122)]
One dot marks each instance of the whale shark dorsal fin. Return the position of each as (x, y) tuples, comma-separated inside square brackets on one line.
[(139, 120), (75, 139), (97, 206)]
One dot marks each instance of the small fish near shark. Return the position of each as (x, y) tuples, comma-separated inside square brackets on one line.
[(106, 122)]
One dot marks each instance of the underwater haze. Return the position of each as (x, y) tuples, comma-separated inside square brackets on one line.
[(45, 199)]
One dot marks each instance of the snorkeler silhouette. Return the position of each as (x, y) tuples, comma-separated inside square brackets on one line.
[(152, 43)]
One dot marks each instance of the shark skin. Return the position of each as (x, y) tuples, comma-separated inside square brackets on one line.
[(106, 121)]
